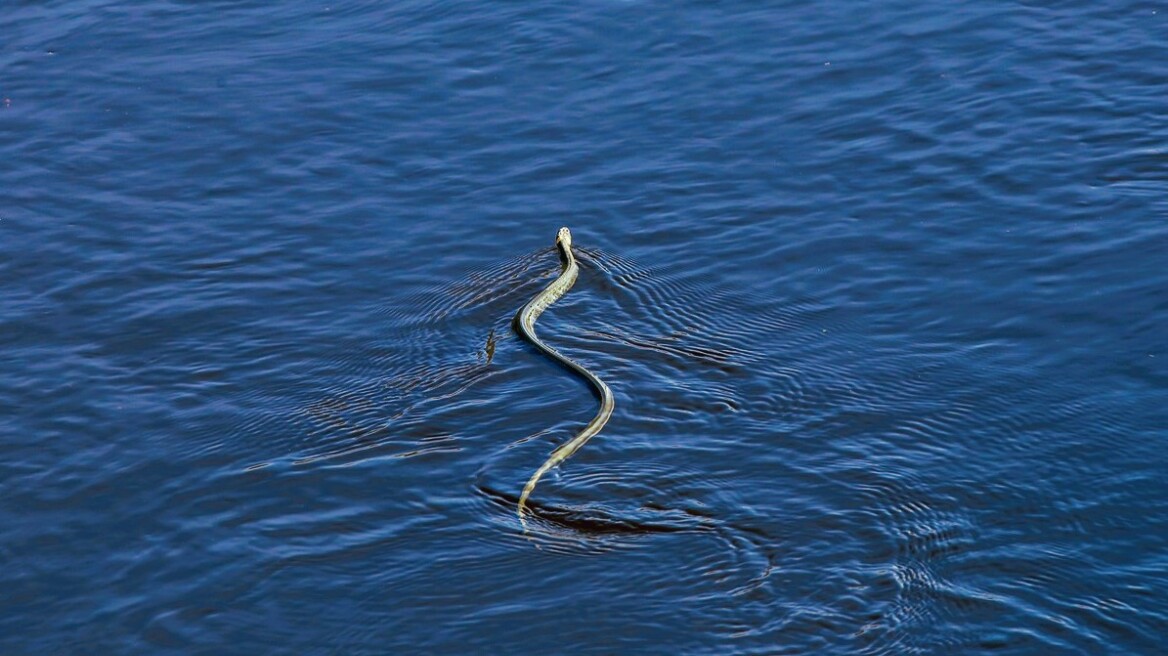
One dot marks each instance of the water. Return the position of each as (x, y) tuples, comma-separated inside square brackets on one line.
[(880, 291)]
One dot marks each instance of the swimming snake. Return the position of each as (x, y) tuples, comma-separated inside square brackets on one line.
[(525, 326)]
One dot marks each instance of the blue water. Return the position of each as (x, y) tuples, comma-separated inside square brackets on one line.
[(881, 291)]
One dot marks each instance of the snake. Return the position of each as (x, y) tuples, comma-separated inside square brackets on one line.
[(525, 325)]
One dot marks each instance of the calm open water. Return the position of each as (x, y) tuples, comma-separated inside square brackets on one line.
[(881, 290)]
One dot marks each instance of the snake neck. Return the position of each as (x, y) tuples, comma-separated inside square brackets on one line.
[(525, 319), (567, 259)]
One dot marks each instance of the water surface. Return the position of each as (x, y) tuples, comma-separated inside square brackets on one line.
[(880, 291)]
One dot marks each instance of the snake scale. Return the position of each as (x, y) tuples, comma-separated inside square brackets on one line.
[(525, 326)]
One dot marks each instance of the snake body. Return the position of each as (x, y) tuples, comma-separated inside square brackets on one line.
[(525, 326)]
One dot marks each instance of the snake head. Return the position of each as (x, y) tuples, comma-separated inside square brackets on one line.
[(564, 239)]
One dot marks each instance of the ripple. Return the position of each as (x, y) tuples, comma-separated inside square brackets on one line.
[(402, 398)]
